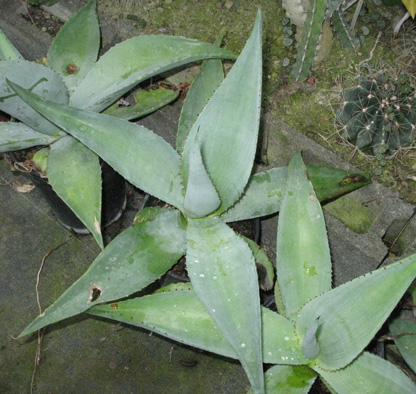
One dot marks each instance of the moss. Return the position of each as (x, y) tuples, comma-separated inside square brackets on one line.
[(351, 211)]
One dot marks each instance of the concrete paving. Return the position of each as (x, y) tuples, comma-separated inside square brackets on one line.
[(89, 355)]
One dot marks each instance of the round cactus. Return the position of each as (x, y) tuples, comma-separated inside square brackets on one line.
[(380, 111)]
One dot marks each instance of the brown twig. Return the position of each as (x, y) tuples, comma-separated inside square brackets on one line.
[(41, 333), (11, 180)]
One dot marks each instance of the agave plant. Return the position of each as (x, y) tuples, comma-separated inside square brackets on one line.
[(208, 183), (318, 331), (74, 76)]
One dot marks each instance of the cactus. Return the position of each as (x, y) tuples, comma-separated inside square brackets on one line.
[(379, 112), (312, 18)]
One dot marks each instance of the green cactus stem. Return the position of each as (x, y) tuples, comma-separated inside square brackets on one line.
[(379, 112)]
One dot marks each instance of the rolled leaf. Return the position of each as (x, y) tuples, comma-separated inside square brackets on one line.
[(368, 374), (134, 259), (303, 261), (143, 158), (16, 135), (351, 314), (228, 126), (203, 87), (146, 103), (142, 57), (405, 343), (310, 345), (176, 312), (201, 198), (264, 193), (288, 379), (7, 50), (74, 172), (38, 79), (222, 270), (75, 48)]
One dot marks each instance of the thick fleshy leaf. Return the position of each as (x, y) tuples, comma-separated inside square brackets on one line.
[(264, 193), (16, 135), (176, 312), (203, 87), (265, 269), (74, 172), (407, 342), (146, 103), (38, 79), (134, 60), (227, 128), (143, 158), (368, 374), (7, 50), (134, 259), (222, 269), (351, 314), (310, 345), (201, 198), (75, 48), (303, 262), (286, 379)]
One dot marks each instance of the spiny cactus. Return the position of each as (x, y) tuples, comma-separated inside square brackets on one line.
[(312, 17), (379, 112)]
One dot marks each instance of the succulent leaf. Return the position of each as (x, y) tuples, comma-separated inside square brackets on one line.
[(203, 87), (265, 269), (133, 260), (407, 342), (303, 262), (75, 48), (310, 345), (264, 192), (201, 198), (289, 379), (227, 128), (74, 172), (148, 161), (143, 57), (176, 312), (38, 79), (146, 103), (7, 50), (368, 374), (351, 314), (222, 270), (16, 135)]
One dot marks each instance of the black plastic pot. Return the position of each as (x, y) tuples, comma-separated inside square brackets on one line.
[(113, 198)]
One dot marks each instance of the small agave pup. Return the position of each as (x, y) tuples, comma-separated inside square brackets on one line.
[(73, 76), (203, 180)]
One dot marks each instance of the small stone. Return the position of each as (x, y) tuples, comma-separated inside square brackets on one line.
[(228, 4)]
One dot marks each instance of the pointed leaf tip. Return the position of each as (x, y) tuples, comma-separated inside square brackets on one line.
[(228, 126)]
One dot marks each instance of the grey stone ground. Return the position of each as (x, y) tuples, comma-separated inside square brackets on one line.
[(88, 355)]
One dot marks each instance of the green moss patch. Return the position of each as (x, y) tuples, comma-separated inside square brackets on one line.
[(351, 211)]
